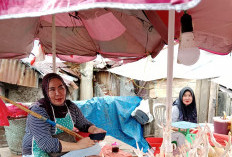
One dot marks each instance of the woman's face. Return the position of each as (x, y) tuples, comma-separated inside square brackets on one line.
[(187, 98), (56, 92)]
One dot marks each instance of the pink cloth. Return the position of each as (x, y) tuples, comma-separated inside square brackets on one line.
[(15, 112)]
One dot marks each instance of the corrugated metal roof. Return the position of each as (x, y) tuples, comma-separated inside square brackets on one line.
[(14, 72), (45, 67)]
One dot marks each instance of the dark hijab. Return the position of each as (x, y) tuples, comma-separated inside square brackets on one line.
[(60, 111), (186, 113)]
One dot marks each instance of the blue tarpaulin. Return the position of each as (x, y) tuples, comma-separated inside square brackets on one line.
[(113, 114)]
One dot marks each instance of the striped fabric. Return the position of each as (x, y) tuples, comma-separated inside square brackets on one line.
[(43, 131)]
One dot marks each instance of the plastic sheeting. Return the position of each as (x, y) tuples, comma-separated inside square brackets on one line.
[(208, 66), (15, 112), (114, 115)]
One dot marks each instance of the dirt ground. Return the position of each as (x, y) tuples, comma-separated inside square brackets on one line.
[(5, 152)]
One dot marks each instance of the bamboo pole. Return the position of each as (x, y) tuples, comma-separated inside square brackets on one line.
[(43, 118), (171, 25), (54, 43)]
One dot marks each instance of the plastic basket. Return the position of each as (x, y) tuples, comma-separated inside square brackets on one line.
[(155, 143), (190, 138), (14, 135)]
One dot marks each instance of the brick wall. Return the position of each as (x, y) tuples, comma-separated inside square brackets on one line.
[(3, 142)]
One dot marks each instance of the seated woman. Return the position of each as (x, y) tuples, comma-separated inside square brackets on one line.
[(41, 139), (184, 107)]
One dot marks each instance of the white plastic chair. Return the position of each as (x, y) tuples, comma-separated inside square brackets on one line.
[(159, 112)]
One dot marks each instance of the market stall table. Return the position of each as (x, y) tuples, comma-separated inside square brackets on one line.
[(191, 128), (125, 149)]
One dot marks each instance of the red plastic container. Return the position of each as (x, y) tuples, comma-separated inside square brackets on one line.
[(155, 143), (221, 126)]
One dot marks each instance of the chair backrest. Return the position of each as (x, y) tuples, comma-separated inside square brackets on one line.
[(159, 112)]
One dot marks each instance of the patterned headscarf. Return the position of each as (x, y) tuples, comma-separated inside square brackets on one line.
[(186, 113), (45, 102), (45, 83)]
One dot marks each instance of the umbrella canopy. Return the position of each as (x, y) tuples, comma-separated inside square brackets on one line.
[(28, 8), (98, 27), (118, 34)]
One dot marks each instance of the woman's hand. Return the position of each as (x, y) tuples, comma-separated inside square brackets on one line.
[(93, 130), (75, 129), (85, 143), (81, 144)]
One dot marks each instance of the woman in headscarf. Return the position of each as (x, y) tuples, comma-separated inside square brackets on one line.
[(41, 139), (184, 107)]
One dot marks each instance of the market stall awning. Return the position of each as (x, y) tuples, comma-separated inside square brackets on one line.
[(88, 28), (120, 30)]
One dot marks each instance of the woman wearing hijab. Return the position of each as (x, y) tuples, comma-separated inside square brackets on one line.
[(184, 107), (41, 139)]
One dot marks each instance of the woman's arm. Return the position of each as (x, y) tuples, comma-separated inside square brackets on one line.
[(81, 144), (42, 131), (80, 122), (93, 130), (43, 136), (175, 113)]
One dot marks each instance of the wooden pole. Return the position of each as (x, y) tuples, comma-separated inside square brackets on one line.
[(86, 85), (54, 43), (213, 97), (171, 25)]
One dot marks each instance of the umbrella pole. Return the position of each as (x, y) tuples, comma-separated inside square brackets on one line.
[(54, 43), (171, 25)]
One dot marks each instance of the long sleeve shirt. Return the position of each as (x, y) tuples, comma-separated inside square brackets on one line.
[(175, 113), (42, 132)]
